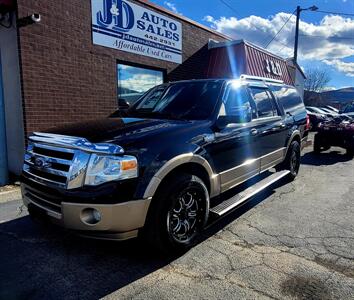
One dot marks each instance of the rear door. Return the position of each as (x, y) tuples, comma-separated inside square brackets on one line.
[(271, 128)]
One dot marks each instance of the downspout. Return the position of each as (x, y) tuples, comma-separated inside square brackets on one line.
[(3, 149)]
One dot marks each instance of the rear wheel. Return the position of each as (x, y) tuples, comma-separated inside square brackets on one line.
[(292, 160), (350, 152), (318, 146), (178, 214)]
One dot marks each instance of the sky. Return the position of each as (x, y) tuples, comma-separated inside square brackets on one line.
[(326, 40)]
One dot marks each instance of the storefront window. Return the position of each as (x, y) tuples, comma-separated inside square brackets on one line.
[(134, 81)]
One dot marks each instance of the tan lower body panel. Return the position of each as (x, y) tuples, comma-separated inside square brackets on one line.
[(272, 159), (250, 168), (118, 221), (239, 174)]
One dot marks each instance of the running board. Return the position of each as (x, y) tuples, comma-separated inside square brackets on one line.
[(238, 199)]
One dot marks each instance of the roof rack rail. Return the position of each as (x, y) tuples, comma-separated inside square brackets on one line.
[(262, 79)]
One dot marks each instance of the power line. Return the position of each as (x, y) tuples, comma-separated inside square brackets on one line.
[(281, 28), (333, 13), (328, 37)]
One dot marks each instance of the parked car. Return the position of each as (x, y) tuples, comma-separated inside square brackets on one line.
[(158, 170), (335, 132), (332, 108), (318, 110), (315, 119), (348, 110)]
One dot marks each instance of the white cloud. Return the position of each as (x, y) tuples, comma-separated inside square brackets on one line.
[(329, 88), (330, 40), (141, 82), (172, 7), (345, 67)]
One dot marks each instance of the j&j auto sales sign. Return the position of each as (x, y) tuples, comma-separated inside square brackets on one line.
[(125, 26)]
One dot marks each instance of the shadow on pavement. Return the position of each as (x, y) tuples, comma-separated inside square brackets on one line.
[(49, 263), (324, 158), (46, 262)]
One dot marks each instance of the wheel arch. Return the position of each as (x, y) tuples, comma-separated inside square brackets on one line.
[(295, 136), (187, 163)]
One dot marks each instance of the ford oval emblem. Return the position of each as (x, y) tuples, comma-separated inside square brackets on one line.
[(41, 162)]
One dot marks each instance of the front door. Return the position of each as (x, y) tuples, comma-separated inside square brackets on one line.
[(233, 151)]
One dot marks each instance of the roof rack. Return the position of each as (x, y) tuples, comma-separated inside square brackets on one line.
[(262, 79)]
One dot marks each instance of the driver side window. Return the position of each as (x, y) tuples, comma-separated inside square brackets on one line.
[(236, 103)]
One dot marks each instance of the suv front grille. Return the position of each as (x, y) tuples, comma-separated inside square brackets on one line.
[(61, 161), (55, 165)]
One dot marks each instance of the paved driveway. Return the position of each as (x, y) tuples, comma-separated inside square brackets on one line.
[(295, 241)]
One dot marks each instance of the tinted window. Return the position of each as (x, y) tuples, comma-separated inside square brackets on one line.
[(263, 102), (288, 97), (236, 102), (187, 100)]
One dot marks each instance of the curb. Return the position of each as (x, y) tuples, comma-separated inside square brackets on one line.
[(12, 195)]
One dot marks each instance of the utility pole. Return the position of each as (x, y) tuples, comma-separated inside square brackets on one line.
[(298, 11)]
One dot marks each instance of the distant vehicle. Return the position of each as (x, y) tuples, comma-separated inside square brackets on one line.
[(348, 110), (332, 108), (315, 119), (335, 132), (327, 110), (320, 111)]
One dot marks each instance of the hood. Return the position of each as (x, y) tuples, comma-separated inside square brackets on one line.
[(121, 131)]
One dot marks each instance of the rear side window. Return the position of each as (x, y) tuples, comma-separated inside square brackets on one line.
[(288, 98), (263, 101)]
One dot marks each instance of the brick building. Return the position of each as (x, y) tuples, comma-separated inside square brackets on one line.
[(65, 61)]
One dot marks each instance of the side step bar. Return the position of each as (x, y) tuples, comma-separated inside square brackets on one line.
[(238, 199)]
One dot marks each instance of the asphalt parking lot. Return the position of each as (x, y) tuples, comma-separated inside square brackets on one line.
[(293, 241)]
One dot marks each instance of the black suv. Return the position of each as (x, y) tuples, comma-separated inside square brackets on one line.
[(158, 168)]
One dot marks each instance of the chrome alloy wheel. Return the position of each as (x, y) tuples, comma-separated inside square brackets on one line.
[(186, 216)]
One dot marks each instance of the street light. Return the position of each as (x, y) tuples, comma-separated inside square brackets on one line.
[(298, 11)]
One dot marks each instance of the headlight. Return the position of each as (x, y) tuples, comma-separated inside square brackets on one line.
[(104, 168)]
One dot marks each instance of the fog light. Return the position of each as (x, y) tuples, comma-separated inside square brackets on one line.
[(90, 216)]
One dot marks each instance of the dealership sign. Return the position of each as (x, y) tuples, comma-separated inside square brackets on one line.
[(125, 26)]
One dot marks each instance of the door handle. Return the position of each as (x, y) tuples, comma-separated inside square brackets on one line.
[(254, 131), (282, 125)]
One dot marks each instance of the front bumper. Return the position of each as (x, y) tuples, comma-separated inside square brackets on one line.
[(119, 221)]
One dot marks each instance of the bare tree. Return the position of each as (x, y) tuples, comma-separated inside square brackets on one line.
[(317, 79)]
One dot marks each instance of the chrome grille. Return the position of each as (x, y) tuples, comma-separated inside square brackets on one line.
[(55, 165), (60, 160)]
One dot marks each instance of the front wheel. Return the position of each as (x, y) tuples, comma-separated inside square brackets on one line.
[(177, 214)]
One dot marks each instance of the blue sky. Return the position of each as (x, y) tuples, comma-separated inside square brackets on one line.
[(259, 20)]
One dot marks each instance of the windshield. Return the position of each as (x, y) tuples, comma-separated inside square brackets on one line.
[(194, 100)]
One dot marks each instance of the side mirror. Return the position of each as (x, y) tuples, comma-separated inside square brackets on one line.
[(237, 115), (123, 104), (223, 121)]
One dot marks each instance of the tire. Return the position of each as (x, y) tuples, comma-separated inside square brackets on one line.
[(317, 145), (292, 160), (177, 215), (350, 152)]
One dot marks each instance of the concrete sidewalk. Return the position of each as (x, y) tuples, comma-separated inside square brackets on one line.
[(10, 193)]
